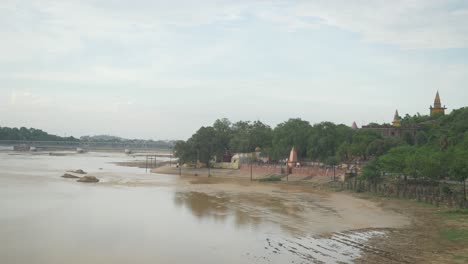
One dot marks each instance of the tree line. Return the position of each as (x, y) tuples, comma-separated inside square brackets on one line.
[(325, 142), (30, 134), (439, 150)]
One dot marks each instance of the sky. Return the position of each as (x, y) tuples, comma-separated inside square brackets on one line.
[(161, 69)]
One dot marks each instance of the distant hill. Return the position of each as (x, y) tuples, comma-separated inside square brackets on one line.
[(102, 138), (30, 134), (108, 138)]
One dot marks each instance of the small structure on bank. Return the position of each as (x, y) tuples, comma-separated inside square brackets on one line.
[(227, 157), (292, 161)]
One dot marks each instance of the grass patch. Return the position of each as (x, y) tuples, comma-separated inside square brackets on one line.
[(271, 178), (423, 204), (454, 234), (460, 215), (461, 259)]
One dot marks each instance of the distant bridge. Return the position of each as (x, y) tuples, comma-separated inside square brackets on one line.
[(87, 145)]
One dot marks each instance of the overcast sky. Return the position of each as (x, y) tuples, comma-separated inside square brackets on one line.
[(161, 69)]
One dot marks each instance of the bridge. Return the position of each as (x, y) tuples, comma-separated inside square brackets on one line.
[(87, 145)]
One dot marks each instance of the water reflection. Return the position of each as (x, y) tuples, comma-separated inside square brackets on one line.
[(203, 205), (242, 210)]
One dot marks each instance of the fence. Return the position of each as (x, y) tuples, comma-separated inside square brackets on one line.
[(436, 193), (283, 169)]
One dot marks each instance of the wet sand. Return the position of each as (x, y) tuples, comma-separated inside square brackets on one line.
[(138, 217)]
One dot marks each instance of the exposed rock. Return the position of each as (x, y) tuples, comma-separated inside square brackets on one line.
[(80, 150), (88, 179), (70, 176), (78, 171)]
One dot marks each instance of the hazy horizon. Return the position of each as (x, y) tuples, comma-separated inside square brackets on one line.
[(158, 70)]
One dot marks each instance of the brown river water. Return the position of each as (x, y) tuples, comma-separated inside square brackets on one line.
[(135, 217)]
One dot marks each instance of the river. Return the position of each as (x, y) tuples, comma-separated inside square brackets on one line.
[(131, 216)]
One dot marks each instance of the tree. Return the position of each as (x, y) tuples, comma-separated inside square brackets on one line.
[(222, 136), (360, 143), (247, 136), (206, 144), (292, 133), (325, 139), (381, 146), (372, 171), (184, 151), (395, 160), (421, 138), (458, 167)]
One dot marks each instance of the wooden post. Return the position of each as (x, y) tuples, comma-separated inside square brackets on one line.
[(334, 173), (146, 165), (464, 190), (250, 170)]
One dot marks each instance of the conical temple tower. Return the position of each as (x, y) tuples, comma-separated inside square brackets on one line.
[(292, 158), (396, 120), (437, 106)]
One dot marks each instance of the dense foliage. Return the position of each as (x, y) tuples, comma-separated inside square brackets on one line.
[(438, 151), (325, 142)]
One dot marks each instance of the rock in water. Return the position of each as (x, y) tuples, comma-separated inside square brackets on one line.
[(78, 171), (88, 179), (69, 176)]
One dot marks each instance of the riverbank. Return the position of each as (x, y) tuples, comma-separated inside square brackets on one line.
[(239, 174), (432, 234), (435, 235)]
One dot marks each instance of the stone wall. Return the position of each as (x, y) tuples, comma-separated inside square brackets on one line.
[(225, 165), (307, 171)]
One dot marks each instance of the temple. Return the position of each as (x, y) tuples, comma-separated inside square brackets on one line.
[(396, 120), (437, 108), (292, 158), (396, 129)]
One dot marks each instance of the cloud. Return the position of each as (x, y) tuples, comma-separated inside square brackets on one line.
[(24, 98), (43, 29), (416, 24)]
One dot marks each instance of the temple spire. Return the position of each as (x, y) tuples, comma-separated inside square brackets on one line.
[(437, 103), (396, 120), (437, 109)]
